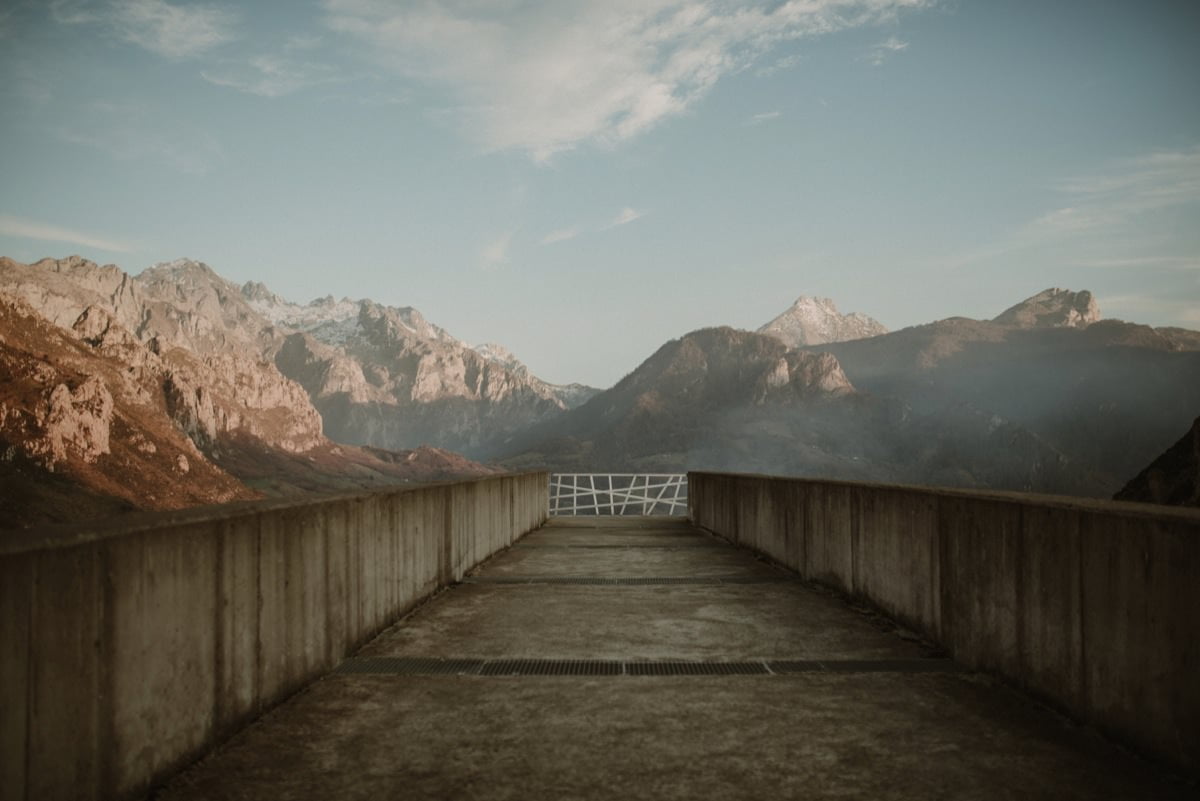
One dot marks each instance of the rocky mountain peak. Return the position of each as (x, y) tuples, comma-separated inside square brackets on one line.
[(1052, 308), (84, 271), (60, 289), (817, 321), (726, 362), (326, 319), (187, 274), (257, 292), (500, 355)]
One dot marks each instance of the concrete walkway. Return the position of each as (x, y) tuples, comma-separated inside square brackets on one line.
[(528, 681)]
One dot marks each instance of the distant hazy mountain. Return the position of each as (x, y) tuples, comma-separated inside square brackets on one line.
[(816, 321), (1173, 478), (386, 377), (1106, 394), (733, 400), (652, 418)]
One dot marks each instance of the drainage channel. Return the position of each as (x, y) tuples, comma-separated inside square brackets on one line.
[(428, 666), (665, 546), (638, 581)]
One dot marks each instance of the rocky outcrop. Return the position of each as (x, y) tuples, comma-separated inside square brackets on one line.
[(190, 306), (62, 289), (71, 422), (1052, 308), (804, 375), (816, 321), (79, 420)]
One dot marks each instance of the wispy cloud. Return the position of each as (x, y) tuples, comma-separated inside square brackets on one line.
[(1129, 188), (1179, 310), (884, 50), (74, 12), (302, 41), (626, 216), (623, 217), (1110, 210), (495, 253), (31, 229), (272, 75), (171, 31), (561, 235), (779, 65), (547, 77), (764, 116)]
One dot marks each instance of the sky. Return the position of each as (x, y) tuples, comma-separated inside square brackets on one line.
[(583, 180)]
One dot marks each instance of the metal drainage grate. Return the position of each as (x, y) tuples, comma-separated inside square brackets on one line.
[(624, 546), (627, 581), (550, 667), (697, 669)]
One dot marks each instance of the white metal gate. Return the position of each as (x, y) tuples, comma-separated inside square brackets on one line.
[(618, 494)]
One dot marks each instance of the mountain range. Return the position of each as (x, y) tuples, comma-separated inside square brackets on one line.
[(175, 387), (1045, 397), (165, 389)]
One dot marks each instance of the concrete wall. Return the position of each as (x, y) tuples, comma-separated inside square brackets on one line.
[(1092, 605), (129, 649)]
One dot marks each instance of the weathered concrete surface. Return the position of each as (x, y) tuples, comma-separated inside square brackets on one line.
[(1091, 605), (130, 647), (720, 623), (814, 736), (705, 558)]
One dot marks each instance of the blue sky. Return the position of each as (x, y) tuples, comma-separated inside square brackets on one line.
[(581, 180)]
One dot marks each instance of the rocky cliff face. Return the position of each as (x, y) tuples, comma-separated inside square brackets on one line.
[(82, 412), (387, 377), (183, 326), (1052, 308), (185, 407), (816, 321)]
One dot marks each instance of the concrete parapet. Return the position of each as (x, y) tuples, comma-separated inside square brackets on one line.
[(1093, 606), (130, 647)]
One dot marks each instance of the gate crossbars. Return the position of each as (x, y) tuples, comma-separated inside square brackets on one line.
[(618, 494)]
